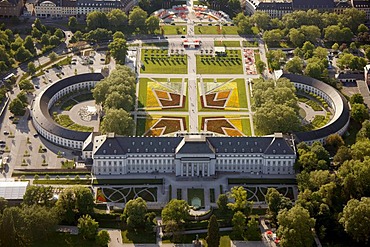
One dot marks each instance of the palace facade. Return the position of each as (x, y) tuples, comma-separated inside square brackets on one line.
[(190, 155)]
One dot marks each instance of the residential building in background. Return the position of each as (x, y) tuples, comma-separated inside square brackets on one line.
[(10, 8)]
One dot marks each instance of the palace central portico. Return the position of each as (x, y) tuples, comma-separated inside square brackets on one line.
[(190, 155)]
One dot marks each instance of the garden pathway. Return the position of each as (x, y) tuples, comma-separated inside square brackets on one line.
[(192, 92)]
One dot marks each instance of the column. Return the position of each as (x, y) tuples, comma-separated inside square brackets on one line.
[(203, 170), (192, 169)]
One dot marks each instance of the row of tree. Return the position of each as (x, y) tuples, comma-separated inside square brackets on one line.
[(36, 219), (276, 106), (13, 48), (116, 94), (116, 20)]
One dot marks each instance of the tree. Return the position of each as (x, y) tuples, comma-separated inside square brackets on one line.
[(45, 39), (295, 227), (271, 118), (137, 18), (53, 56), (134, 213), (239, 223), (29, 45), (118, 35), (152, 23), (273, 36), (295, 65), (39, 195), (222, 201), (314, 69), (31, 68), (276, 202), (175, 210), (343, 154), (16, 107), (23, 226), (333, 142), (72, 22), (103, 238), (118, 49), (3, 204), (118, 121), (261, 19), (22, 54), (26, 85), (59, 33), (261, 66), (356, 99), (22, 96), (352, 18), (359, 113), (87, 227), (96, 19), (362, 28), (335, 46), (213, 236), (54, 40), (296, 37), (117, 19), (241, 203), (353, 219), (253, 230), (74, 202)]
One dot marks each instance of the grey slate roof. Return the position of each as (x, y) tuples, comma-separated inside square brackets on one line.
[(120, 145), (313, 4), (41, 114), (340, 118), (275, 6), (191, 147)]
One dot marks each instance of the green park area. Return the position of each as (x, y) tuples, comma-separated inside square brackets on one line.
[(224, 30), (231, 63), (227, 43), (172, 30), (158, 61)]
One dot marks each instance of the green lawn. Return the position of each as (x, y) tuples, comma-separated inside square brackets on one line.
[(139, 237), (66, 122), (242, 93), (172, 30), (196, 193), (231, 64), (246, 124), (63, 239), (226, 30), (158, 62), (250, 44), (227, 43)]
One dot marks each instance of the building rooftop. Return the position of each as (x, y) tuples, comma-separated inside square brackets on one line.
[(13, 190)]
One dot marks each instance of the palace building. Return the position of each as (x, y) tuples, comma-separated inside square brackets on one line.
[(190, 155)]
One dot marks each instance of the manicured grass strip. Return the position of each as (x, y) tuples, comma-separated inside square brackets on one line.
[(140, 126), (63, 181), (261, 181), (224, 30), (143, 84), (156, 61), (127, 181), (129, 237), (231, 64), (246, 125), (172, 30), (242, 93), (227, 43)]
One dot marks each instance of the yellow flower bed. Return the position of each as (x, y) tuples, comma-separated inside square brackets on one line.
[(151, 100), (236, 122), (233, 101)]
